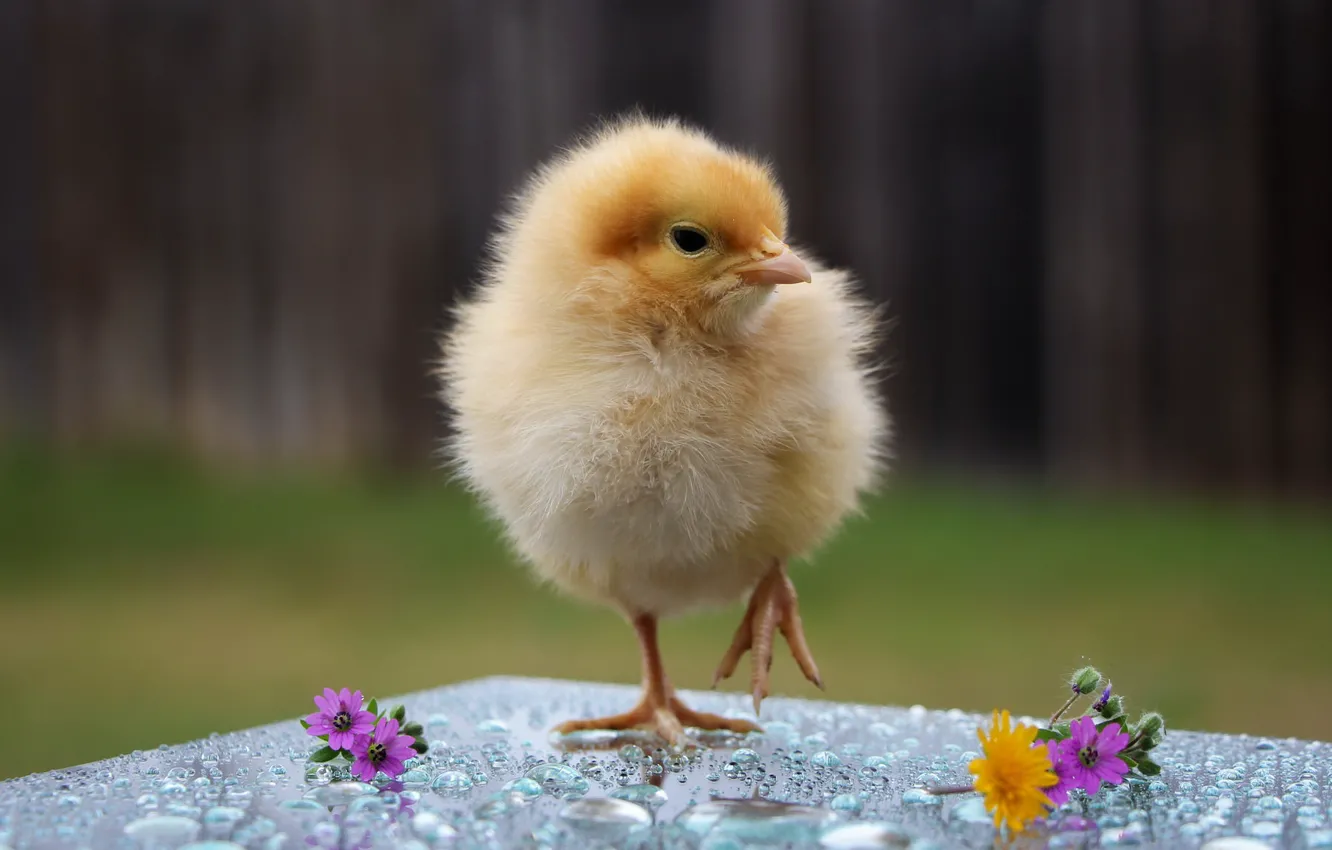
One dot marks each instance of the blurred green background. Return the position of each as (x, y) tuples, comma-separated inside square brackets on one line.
[(230, 233), (145, 600)]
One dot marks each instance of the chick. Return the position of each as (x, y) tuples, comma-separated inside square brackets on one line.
[(661, 401)]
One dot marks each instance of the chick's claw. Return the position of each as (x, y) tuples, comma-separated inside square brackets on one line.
[(772, 607)]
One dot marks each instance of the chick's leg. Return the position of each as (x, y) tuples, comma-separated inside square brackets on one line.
[(658, 708), (772, 607)]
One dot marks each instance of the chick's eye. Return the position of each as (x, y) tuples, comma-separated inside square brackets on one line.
[(690, 240)]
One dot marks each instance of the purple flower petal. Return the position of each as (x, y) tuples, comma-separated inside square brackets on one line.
[(344, 699), (1112, 740), (1111, 770), (391, 766), (401, 747), (357, 700), (324, 706), (386, 730), (1082, 732), (332, 697), (363, 769), (341, 740), (363, 722)]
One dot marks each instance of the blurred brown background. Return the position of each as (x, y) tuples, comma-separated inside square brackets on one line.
[(229, 230)]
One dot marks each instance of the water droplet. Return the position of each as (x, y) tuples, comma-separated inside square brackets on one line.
[(301, 806), (436, 722), (781, 733), (644, 795), (825, 758), (864, 836), (452, 783), (340, 793), (528, 789), (1127, 836), (559, 780), (631, 753), (1264, 829), (213, 845), (1235, 842), (170, 830), (605, 819), (847, 803), (1270, 803), (493, 726), (431, 828), (745, 757), (754, 821), (970, 811), (920, 797), (415, 776), (500, 804), (223, 816)]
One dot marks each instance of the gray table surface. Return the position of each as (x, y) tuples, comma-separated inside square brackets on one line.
[(822, 775)]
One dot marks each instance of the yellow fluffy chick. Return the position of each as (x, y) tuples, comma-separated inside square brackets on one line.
[(659, 399)]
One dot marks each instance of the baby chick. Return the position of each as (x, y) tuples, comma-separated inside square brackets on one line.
[(659, 399)]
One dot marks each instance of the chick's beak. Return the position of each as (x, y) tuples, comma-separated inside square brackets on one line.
[(779, 265)]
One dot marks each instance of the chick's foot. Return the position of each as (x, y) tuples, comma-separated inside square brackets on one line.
[(658, 709), (772, 606), (668, 718)]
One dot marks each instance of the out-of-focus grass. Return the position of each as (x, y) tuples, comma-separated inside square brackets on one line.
[(143, 601)]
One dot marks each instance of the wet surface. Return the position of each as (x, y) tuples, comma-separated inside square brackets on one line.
[(821, 775)]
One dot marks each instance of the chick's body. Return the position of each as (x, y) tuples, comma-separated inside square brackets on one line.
[(657, 428), (662, 474)]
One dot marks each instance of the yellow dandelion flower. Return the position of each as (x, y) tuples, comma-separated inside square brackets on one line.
[(1013, 773)]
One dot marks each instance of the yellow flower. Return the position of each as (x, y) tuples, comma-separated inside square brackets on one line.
[(1013, 773)]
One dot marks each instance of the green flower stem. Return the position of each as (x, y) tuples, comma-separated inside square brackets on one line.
[(1060, 713)]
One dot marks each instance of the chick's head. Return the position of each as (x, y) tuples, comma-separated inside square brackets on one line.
[(654, 223)]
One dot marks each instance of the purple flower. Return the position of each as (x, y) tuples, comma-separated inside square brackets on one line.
[(1062, 770), (340, 718), (1092, 756), (385, 750), (1100, 704)]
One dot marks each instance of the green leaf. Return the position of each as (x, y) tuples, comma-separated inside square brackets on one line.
[(1121, 719), (420, 746), (399, 713), (304, 725), (1132, 764), (1147, 767), (323, 754), (373, 707), (416, 730), (1048, 735), (347, 754)]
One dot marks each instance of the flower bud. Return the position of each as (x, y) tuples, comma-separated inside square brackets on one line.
[(1150, 725), (1099, 705), (1086, 680), (1113, 707), (399, 713)]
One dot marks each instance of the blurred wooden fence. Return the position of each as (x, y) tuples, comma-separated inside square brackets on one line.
[(1103, 225)]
